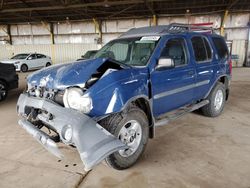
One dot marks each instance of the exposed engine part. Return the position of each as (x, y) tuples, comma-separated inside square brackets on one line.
[(51, 94), (33, 116), (55, 138), (58, 98), (101, 71), (91, 81)]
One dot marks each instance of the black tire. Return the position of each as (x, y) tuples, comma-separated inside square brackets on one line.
[(210, 110), (24, 68), (48, 64), (114, 123), (3, 90)]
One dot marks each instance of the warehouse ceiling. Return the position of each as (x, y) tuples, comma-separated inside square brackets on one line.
[(23, 11)]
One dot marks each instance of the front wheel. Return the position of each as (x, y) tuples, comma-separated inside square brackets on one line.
[(24, 68), (132, 129), (217, 99)]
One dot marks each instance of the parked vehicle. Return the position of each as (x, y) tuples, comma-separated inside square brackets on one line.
[(109, 106), (29, 61), (8, 79), (88, 55)]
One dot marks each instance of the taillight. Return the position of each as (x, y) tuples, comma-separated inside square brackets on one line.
[(230, 65)]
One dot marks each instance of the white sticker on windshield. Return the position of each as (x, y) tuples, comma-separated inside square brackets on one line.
[(153, 38)]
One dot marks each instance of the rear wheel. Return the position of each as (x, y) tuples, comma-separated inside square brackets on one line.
[(217, 99), (133, 130), (48, 64), (24, 68), (3, 90)]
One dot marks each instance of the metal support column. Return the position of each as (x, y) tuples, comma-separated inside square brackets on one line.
[(154, 20), (50, 28), (99, 30), (222, 32), (52, 33), (9, 34)]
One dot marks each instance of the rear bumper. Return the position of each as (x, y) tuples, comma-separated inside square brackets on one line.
[(92, 141)]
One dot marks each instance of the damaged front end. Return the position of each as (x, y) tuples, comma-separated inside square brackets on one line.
[(70, 99), (92, 141), (47, 104)]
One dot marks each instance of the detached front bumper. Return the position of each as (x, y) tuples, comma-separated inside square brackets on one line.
[(92, 141)]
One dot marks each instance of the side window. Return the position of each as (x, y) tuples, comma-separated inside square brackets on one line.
[(208, 49), (176, 50), (202, 50), (33, 56), (39, 56), (221, 47)]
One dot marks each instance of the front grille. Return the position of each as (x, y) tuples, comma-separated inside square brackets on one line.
[(50, 94)]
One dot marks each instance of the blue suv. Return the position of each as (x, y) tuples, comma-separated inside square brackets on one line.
[(107, 107)]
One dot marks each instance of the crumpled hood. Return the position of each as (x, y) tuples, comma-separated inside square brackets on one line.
[(64, 75)]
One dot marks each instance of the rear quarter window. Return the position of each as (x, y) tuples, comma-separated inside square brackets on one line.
[(40, 56), (201, 48), (221, 47)]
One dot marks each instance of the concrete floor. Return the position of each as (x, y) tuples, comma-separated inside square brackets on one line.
[(193, 151)]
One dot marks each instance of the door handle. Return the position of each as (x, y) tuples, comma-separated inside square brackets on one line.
[(190, 72)]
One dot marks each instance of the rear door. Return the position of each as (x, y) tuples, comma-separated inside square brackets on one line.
[(41, 60), (206, 67), (32, 61), (222, 55), (174, 87)]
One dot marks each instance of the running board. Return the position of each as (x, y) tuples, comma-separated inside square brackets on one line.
[(179, 113)]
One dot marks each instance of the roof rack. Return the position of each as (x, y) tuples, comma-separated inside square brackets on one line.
[(166, 29), (177, 27)]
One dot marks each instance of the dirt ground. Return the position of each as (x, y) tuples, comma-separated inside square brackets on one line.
[(193, 151)]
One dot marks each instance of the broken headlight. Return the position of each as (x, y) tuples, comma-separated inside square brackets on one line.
[(74, 98)]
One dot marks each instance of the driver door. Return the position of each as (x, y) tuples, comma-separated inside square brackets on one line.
[(173, 87)]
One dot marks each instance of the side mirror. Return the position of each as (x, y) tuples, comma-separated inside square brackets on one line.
[(29, 58), (165, 63)]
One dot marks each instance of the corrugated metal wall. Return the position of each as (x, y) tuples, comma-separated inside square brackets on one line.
[(74, 38), (60, 53), (239, 48)]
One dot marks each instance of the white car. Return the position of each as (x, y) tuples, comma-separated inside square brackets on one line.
[(30, 61)]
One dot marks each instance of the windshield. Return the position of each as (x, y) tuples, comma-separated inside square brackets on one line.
[(131, 51), (20, 56)]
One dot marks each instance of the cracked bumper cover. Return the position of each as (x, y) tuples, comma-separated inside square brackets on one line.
[(92, 141)]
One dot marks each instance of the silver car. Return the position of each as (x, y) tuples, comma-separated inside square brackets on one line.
[(29, 61)]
